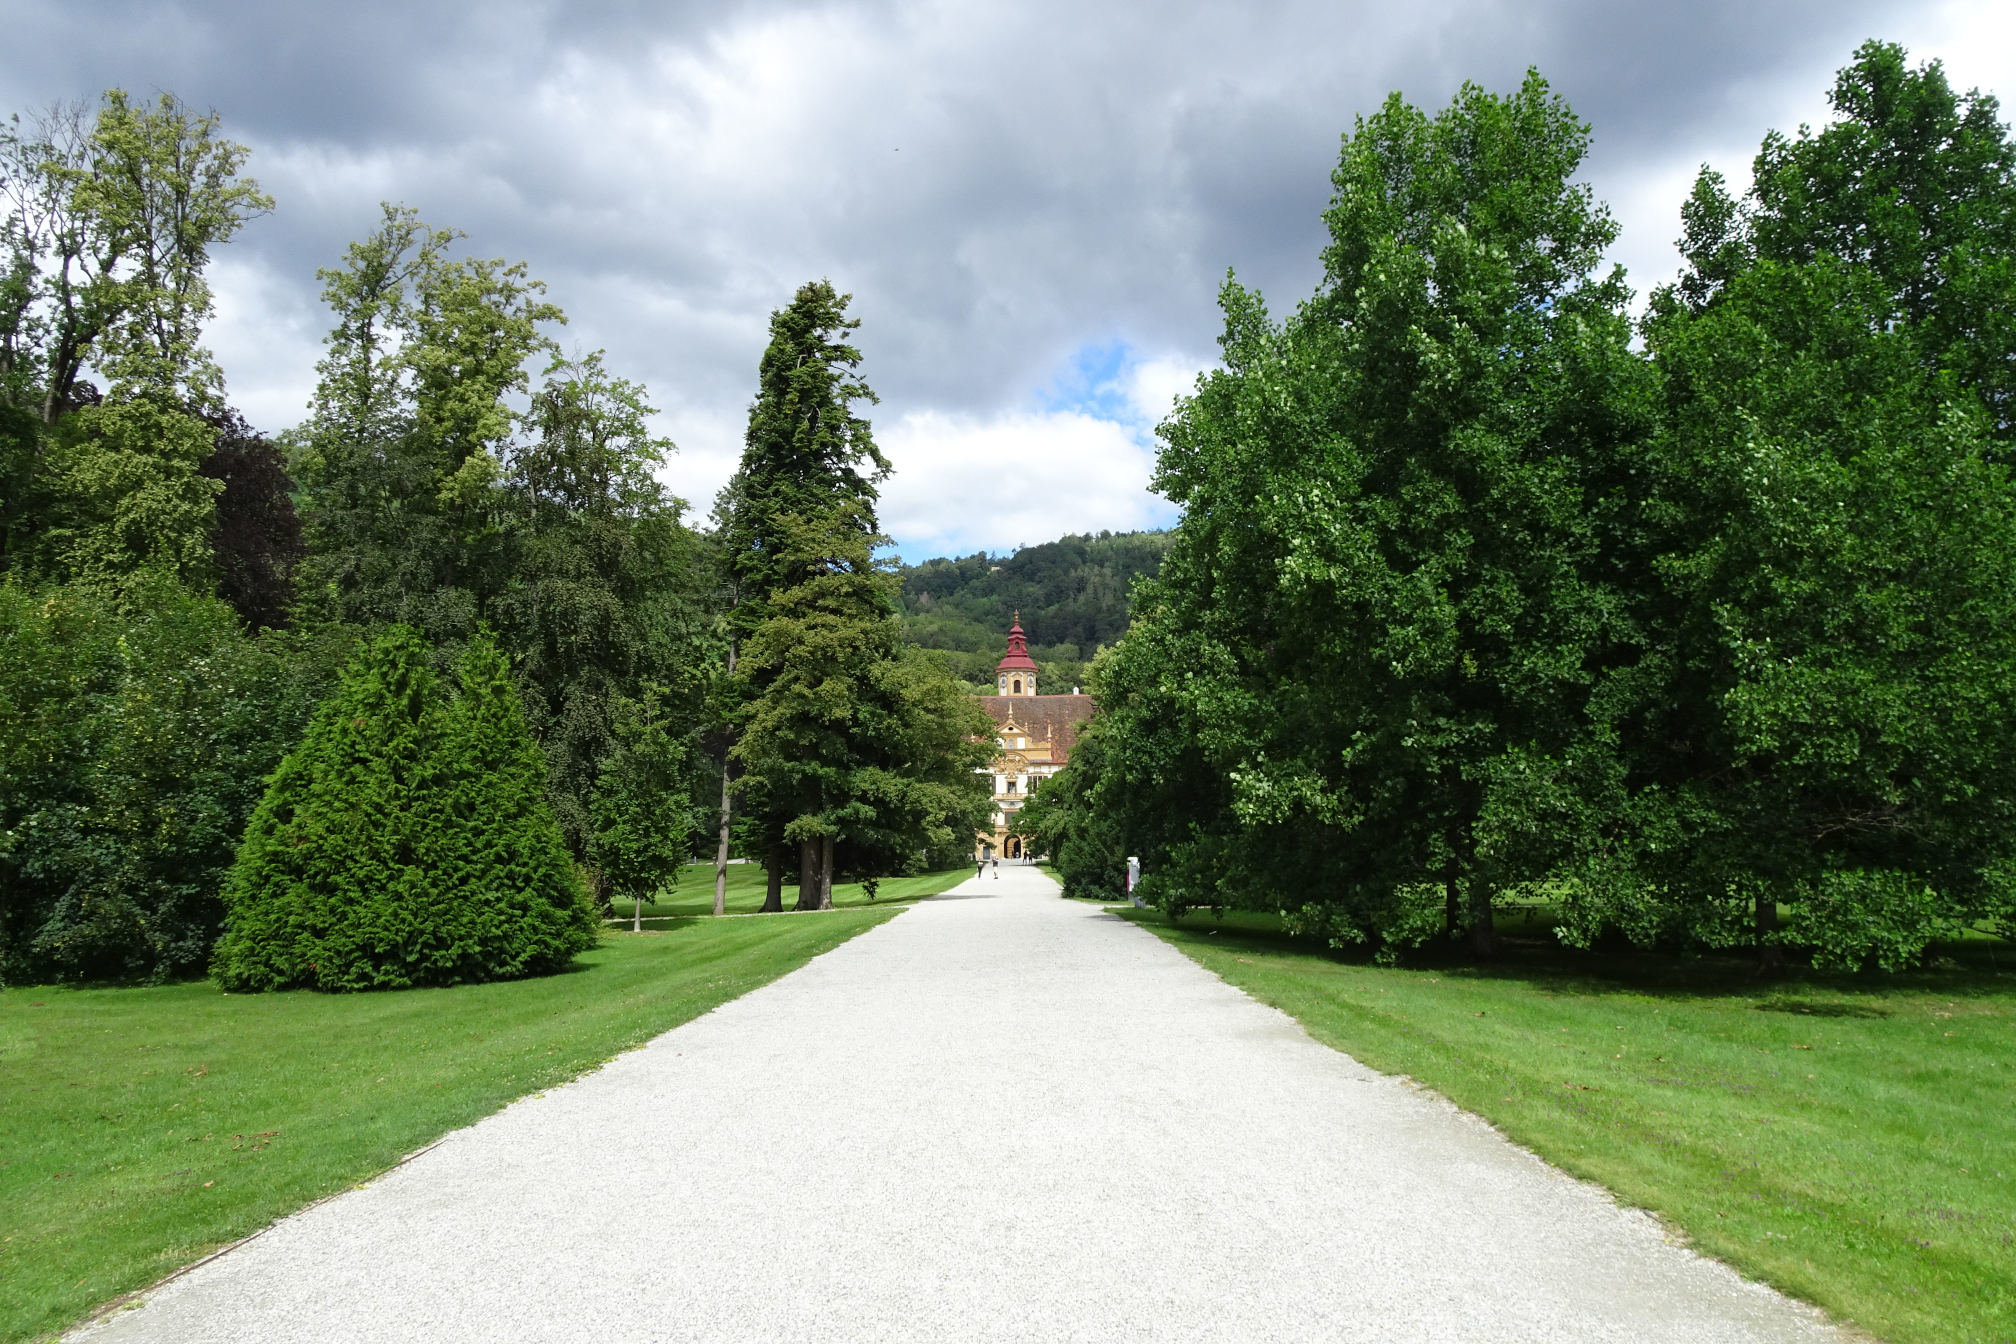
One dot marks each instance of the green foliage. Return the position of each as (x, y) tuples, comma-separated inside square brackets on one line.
[(604, 607), (644, 817), (806, 450), (130, 496), (1914, 186), (406, 841), (1713, 644), (399, 462), (1071, 593), (849, 743), (110, 220), (1377, 653), (167, 187), (1830, 722), (134, 741), (1065, 820), (847, 733)]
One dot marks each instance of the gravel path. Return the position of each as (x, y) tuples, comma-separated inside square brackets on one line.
[(1000, 1116)]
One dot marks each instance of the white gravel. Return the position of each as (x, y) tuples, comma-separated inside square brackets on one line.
[(1000, 1116)]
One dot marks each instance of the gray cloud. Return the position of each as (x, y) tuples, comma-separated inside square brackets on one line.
[(998, 189)]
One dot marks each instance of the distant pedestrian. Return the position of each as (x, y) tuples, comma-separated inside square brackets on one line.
[(997, 867), (979, 867)]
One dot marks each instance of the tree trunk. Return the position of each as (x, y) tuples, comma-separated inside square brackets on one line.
[(773, 886), (1483, 940), (1770, 956), (1452, 904), (721, 849), (637, 915), (808, 876), (826, 873)]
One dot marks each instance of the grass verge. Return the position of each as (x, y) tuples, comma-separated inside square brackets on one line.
[(140, 1129), (1850, 1142), (693, 893)]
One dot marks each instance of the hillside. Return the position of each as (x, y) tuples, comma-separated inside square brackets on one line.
[(1072, 594)]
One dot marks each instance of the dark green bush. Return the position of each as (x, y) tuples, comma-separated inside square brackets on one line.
[(406, 841), (136, 733)]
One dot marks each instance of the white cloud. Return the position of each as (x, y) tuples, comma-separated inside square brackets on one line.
[(266, 337), (1153, 386), (966, 483), (997, 187), (1974, 39)]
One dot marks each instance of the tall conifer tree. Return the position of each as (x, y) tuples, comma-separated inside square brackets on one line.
[(806, 454)]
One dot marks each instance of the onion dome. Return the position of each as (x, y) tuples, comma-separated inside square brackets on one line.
[(1018, 659)]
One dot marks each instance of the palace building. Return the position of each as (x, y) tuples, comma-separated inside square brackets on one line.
[(1034, 734)]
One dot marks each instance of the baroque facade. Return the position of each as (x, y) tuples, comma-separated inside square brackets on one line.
[(1033, 735)]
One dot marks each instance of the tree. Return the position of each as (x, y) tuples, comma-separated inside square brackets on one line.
[(1828, 732), (400, 461), (167, 187), (852, 744), (406, 841), (1068, 821), (127, 495), (1915, 186), (257, 538), (604, 603), (135, 736), (63, 289), (110, 221), (645, 820), (1372, 671), (805, 454)]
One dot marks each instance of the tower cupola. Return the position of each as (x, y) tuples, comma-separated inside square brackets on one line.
[(1016, 673)]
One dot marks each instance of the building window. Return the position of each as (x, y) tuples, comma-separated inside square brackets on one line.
[(1011, 783), (1018, 687)]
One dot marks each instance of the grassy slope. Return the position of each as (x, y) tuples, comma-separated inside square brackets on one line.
[(1853, 1143), (142, 1128), (694, 892)]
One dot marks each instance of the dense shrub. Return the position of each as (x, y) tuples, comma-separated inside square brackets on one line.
[(135, 738), (406, 841)]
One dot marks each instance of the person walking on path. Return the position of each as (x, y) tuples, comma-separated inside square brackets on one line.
[(997, 867), (979, 867)]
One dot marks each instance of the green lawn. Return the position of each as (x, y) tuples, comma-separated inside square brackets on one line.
[(1852, 1142), (693, 894), (142, 1128)]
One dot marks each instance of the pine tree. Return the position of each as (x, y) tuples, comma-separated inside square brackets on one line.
[(805, 450), (805, 455)]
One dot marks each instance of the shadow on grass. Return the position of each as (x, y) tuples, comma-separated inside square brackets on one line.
[(1530, 955), (1808, 1008), (655, 924)]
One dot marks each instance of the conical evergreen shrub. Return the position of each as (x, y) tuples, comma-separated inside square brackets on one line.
[(521, 909), (404, 842)]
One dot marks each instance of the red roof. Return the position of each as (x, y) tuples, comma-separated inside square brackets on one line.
[(1018, 659), (1046, 718)]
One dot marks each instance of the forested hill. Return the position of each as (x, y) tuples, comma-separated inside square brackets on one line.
[(1072, 594)]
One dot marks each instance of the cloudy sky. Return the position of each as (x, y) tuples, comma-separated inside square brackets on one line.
[(1032, 204)]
